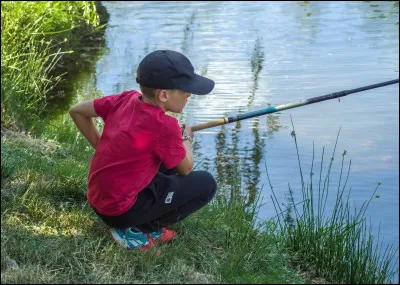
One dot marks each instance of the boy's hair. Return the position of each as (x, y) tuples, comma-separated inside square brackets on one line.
[(147, 91)]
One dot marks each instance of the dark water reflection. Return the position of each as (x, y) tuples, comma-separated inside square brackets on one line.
[(263, 54)]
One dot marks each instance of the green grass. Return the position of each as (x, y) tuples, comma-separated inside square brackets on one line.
[(53, 235)]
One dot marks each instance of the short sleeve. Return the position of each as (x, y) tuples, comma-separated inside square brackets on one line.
[(103, 105), (169, 148)]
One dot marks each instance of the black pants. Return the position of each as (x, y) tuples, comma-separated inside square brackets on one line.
[(168, 199)]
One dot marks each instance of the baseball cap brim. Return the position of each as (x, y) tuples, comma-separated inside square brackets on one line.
[(199, 85)]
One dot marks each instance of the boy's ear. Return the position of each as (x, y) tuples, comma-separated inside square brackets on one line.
[(163, 95)]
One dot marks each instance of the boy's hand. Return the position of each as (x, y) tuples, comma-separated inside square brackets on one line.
[(187, 130), (186, 165)]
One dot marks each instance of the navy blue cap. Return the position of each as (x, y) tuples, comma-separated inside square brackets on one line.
[(167, 69)]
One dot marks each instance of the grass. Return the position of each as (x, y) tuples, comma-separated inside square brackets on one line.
[(49, 233), (53, 235), (37, 38)]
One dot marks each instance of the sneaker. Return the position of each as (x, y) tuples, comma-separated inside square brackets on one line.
[(164, 235), (131, 238)]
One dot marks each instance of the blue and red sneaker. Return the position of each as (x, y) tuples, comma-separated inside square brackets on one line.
[(164, 235), (132, 238)]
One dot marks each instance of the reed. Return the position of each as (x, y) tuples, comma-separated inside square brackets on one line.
[(338, 247)]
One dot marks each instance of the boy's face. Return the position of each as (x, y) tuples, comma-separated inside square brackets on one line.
[(177, 100)]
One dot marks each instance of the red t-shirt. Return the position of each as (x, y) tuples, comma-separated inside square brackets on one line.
[(136, 138)]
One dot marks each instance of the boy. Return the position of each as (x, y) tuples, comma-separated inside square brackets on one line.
[(140, 178)]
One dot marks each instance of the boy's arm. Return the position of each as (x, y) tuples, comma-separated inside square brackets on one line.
[(82, 115), (186, 165)]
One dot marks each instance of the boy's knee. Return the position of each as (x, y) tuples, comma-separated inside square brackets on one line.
[(210, 185)]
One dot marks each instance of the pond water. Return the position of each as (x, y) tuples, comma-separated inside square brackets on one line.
[(263, 54)]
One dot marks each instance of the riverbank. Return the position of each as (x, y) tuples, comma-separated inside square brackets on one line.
[(51, 235)]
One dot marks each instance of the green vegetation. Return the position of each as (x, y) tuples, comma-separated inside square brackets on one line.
[(50, 234), (37, 39), (336, 247), (53, 235)]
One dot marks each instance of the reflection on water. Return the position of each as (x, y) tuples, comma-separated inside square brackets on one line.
[(188, 34), (243, 168), (227, 163), (263, 54), (252, 171), (257, 59)]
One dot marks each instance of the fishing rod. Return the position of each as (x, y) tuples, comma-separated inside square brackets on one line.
[(269, 110)]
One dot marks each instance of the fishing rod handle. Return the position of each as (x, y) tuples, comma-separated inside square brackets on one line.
[(209, 124)]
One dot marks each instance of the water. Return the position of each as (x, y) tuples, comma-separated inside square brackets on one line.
[(264, 54)]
